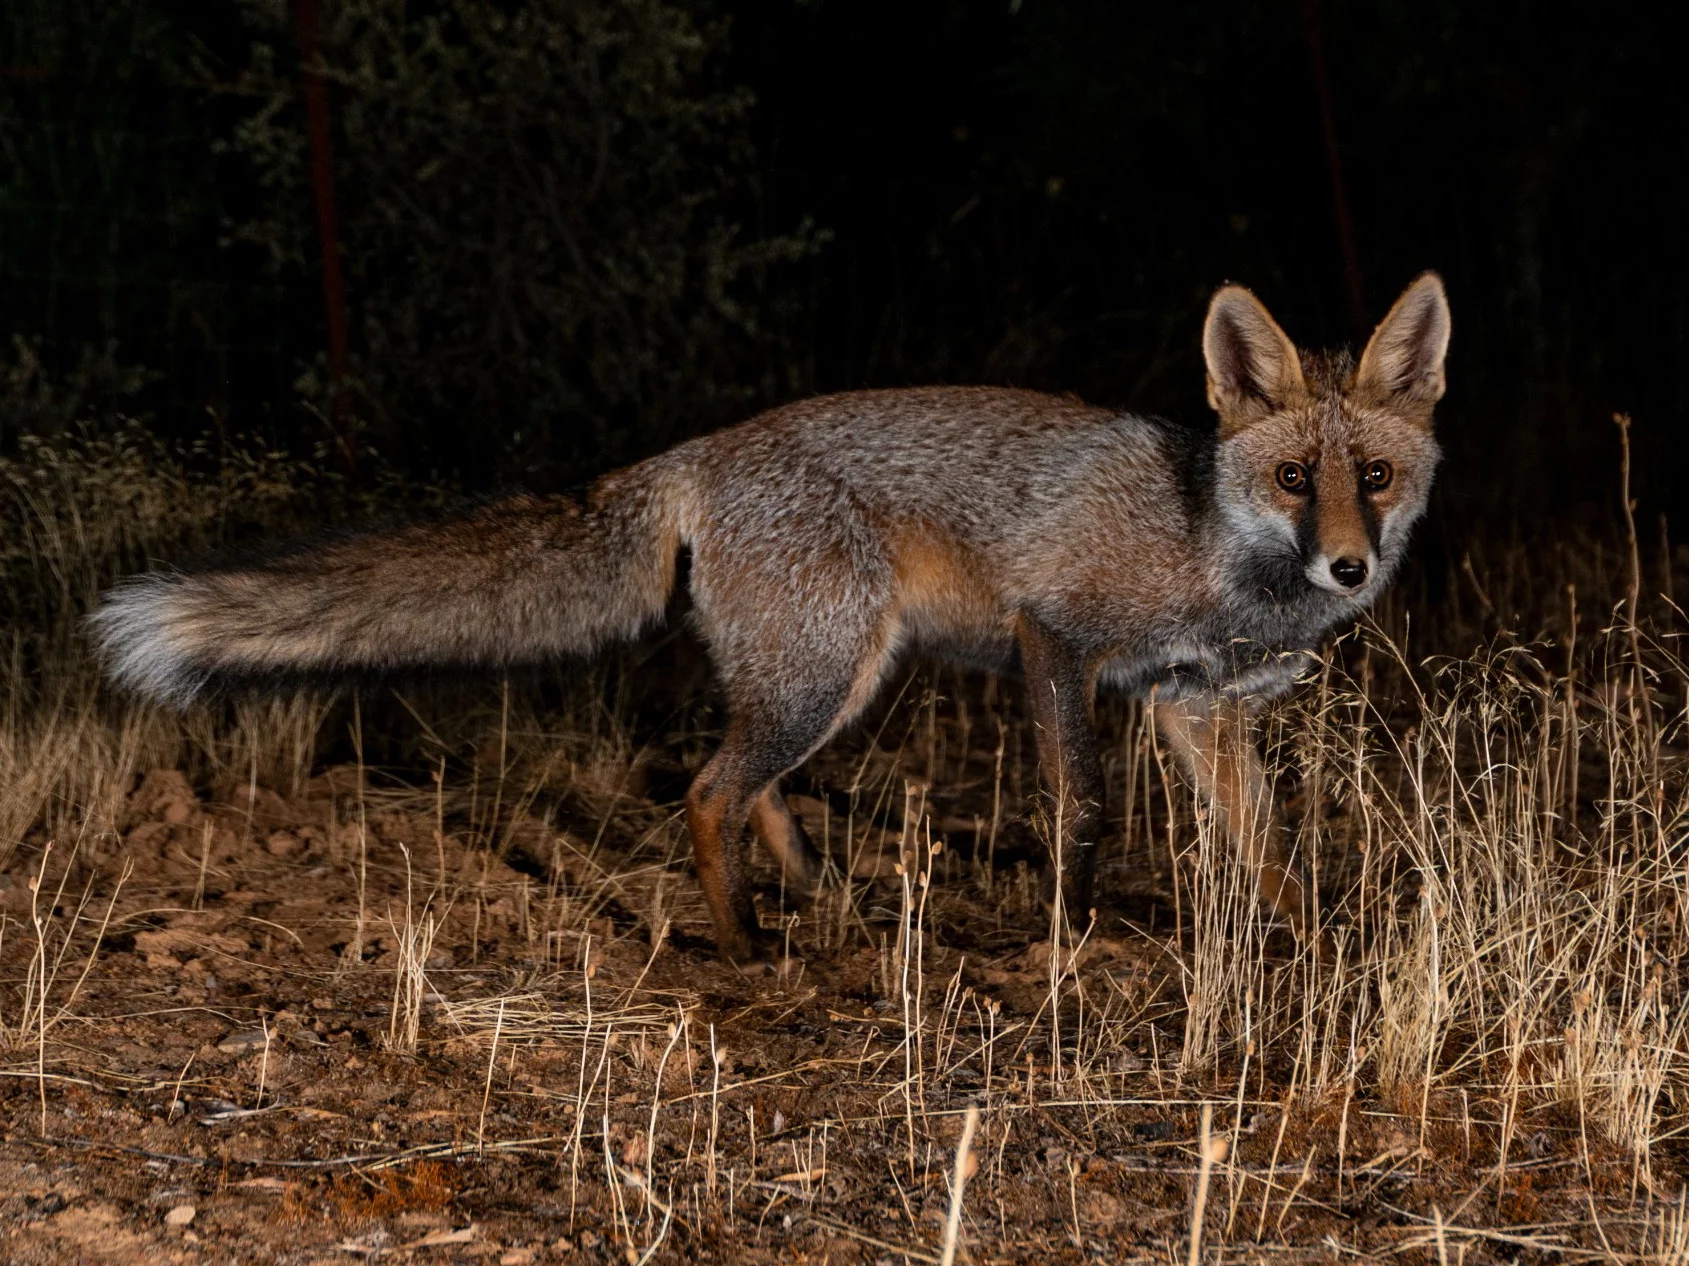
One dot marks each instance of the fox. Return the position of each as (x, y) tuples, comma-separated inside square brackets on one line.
[(1195, 567)]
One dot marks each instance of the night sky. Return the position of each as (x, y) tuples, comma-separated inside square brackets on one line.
[(1041, 193)]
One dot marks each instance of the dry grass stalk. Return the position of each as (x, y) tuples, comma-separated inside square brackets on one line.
[(1211, 1152), (414, 943), (966, 1167), (487, 1091), (533, 1015)]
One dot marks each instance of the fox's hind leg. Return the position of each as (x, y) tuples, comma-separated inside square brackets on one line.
[(717, 807), (783, 836), (793, 595), (765, 739)]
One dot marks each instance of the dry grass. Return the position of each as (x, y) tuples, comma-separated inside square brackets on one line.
[(1489, 790)]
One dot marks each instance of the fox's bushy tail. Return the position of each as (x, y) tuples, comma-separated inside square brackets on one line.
[(515, 581)]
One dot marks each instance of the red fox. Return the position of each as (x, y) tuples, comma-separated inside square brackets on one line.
[(826, 536)]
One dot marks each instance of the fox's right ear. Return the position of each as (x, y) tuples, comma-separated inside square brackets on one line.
[(1253, 367)]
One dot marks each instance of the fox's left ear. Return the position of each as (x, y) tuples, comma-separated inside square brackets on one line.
[(1403, 361)]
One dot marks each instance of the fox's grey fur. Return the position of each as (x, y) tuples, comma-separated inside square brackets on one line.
[(828, 535)]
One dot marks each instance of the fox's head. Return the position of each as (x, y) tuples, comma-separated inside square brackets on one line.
[(1324, 464)]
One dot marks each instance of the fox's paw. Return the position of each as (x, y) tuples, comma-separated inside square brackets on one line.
[(760, 952), (1322, 945), (1078, 902)]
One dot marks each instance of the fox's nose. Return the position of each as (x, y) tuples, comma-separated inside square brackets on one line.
[(1349, 572)]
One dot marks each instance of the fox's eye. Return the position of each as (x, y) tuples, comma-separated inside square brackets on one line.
[(1377, 476), (1292, 476)]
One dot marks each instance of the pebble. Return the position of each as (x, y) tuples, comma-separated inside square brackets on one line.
[(242, 1042), (283, 844), (181, 1215)]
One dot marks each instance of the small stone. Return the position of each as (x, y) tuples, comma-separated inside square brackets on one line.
[(181, 1215), (242, 1042), (283, 844), (517, 1257), (1102, 1207), (211, 1111)]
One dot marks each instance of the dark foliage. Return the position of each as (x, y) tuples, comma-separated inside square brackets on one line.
[(536, 223), (1046, 194)]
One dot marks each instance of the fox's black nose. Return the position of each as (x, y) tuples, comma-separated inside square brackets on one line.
[(1349, 572)]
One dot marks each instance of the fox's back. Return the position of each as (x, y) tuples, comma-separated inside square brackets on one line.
[(997, 467), (953, 509)]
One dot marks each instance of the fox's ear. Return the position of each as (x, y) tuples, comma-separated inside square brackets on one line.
[(1404, 359), (1253, 368)]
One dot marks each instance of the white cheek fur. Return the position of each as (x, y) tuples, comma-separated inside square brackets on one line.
[(1397, 525), (1255, 523)]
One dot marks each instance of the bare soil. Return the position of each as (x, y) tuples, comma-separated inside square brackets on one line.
[(229, 1082)]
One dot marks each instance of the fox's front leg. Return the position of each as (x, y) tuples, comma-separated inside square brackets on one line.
[(1213, 739), (1060, 689)]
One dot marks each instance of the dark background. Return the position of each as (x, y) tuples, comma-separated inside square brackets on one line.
[(575, 232)]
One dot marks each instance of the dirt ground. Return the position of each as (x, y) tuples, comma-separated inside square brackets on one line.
[(219, 1070)]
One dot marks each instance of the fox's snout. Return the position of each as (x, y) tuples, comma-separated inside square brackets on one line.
[(1342, 556), (1341, 550), (1347, 573), (1351, 573)]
